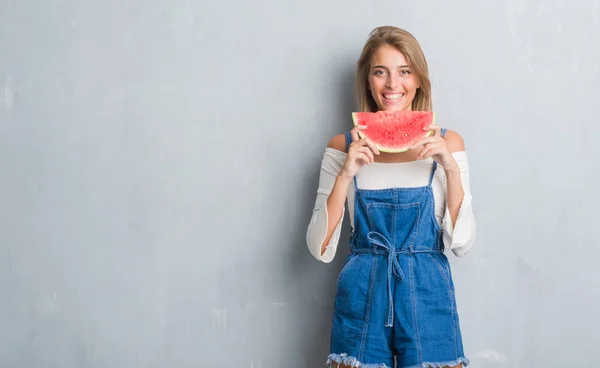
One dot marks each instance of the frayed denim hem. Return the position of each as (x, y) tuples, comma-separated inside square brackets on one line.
[(464, 361), (351, 361)]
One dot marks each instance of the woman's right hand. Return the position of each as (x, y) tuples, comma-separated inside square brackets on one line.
[(361, 152)]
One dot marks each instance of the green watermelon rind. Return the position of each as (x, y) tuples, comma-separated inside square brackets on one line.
[(388, 149)]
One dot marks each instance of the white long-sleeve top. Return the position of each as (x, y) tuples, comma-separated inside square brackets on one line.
[(459, 238)]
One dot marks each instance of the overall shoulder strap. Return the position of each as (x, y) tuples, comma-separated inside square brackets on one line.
[(432, 172), (442, 134), (348, 140)]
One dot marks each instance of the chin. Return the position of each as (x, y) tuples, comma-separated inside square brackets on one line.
[(394, 108)]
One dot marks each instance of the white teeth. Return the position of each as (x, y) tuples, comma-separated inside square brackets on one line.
[(396, 96)]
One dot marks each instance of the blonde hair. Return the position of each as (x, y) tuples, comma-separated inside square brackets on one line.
[(408, 45)]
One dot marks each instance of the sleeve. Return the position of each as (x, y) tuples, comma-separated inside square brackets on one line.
[(331, 165), (461, 237)]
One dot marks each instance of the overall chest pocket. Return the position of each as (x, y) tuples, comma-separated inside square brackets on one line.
[(399, 223)]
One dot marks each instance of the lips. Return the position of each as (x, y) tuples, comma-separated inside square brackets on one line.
[(392, 97)]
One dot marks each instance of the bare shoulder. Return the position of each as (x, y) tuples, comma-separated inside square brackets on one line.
[(454, 141), (338, 142)]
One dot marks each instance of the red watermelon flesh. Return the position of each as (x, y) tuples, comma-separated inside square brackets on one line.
[(394, 131)]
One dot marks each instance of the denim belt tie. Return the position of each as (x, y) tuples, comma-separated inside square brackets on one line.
[(393, 268), (377, 240)]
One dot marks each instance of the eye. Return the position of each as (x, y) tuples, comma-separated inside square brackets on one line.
[(378, 72), (405, 72)]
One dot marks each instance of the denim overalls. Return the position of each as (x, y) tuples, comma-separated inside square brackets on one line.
[(395, 295)]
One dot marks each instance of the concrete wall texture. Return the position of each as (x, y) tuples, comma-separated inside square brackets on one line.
[(159, 162)]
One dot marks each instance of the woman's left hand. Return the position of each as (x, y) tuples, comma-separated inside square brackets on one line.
[(435, 147)]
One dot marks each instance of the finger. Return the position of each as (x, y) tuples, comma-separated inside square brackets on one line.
[(363, 157), (367, 151), (437, 150), (428, 151), (356, 150), (371, 154), (372, 146), (424, 151), (355, 130), (425, 141), (359, 142), (436, 129), (365, 142)]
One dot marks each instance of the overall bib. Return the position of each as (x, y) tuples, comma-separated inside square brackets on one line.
[(395, 295)]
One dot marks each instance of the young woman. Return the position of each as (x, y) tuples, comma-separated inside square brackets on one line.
[(395, 300)]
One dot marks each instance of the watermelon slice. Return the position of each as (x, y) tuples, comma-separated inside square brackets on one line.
[(394, 131)]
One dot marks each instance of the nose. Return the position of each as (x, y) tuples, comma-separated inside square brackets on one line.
[(392, 81)]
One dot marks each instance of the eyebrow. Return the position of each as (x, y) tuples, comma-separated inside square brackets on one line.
[(381, 66)]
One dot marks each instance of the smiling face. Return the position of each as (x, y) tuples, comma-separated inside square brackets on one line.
[(392, 82)]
